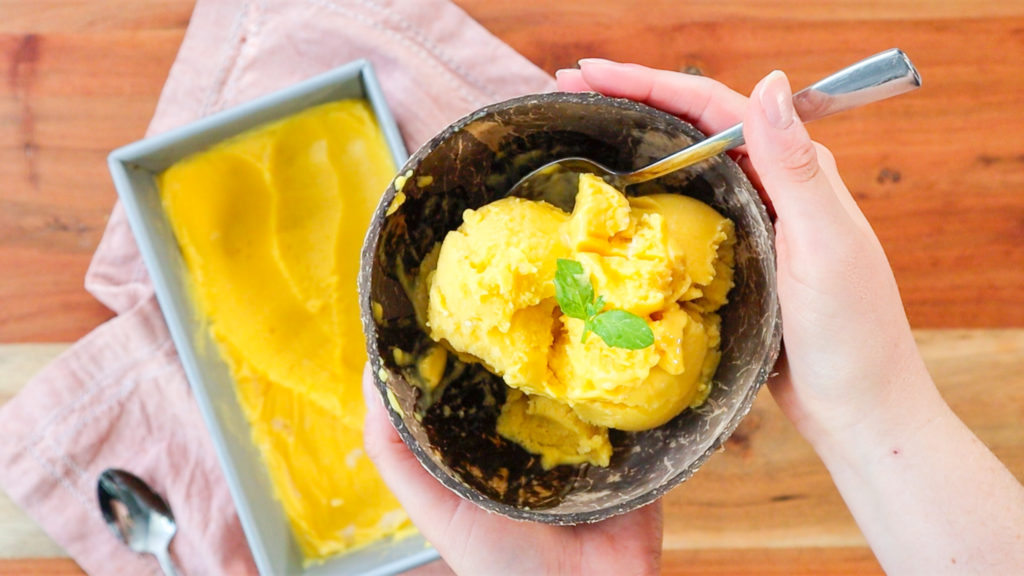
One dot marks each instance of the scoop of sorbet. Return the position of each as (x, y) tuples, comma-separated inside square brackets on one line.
[(665, 258)]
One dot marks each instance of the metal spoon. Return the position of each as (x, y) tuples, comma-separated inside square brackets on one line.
[(137, 515), (881, 76)]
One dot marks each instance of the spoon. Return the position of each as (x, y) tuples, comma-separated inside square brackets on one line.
[(137, 515), (881, 76)]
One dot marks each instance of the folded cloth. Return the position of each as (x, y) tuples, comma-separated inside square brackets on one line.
[(118, 398)]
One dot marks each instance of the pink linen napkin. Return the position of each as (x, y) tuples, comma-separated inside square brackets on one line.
[(119, 398)]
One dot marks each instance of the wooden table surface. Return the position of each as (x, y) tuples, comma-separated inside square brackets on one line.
[(940, 174)]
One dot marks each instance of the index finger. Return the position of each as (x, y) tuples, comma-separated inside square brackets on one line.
[(706, 103)]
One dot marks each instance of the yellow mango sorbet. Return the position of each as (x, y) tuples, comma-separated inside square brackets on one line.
[(665, 258), (270, 224)]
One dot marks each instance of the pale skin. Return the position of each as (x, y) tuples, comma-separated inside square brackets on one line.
[(929, 497)]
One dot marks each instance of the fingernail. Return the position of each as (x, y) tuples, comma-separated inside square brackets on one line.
[(777, 100), (583, 61), (560, 72)]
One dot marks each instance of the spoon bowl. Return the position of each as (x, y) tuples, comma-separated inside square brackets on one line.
[(137, 515), (878, 77)]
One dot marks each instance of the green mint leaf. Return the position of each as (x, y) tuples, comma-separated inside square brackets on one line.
[(622, 329), (573, 289), (575, 295)]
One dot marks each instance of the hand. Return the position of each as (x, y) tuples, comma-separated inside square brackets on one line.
[(474, 541), (848, 346), (928, 495)]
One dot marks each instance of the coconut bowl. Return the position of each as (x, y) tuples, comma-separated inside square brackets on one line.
[(451, 430)]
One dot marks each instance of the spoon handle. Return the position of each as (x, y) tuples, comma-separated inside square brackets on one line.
[(878, 77), (163, 556)]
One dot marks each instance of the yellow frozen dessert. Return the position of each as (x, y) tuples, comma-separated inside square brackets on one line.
[(270, 225), (663, 261)]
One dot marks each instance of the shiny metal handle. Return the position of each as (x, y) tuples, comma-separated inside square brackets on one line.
[(163, 556), (881, 76)]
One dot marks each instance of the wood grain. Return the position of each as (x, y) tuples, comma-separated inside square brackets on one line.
[(766, 497), (68, 99), (39, 567), (834, 561), (769, 489), (20, 536), (938, 172), (942, 192), (766, 562)]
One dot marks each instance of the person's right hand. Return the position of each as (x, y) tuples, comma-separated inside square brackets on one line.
[(848, 347)]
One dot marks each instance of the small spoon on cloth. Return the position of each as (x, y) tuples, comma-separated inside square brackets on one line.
[(137, 515), (881, 76)]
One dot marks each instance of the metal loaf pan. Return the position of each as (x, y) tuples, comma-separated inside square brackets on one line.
[(134, 168)]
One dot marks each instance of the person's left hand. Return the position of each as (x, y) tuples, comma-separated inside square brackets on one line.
[(474, 541)]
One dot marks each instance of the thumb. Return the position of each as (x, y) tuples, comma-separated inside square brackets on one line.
[(785, 158), (429, 504)]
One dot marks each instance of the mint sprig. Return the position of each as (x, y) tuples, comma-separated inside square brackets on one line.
[(575, 295)]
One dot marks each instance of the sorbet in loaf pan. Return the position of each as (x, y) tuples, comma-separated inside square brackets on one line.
[(270, 223)]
